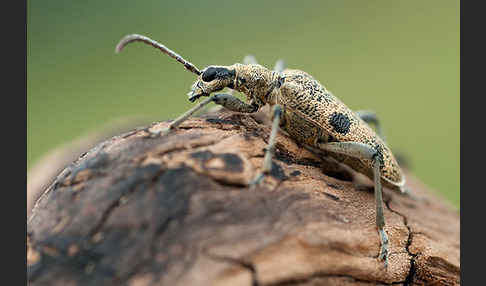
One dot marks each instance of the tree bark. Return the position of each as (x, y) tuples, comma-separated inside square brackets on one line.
[(176, 210), (45, 170)]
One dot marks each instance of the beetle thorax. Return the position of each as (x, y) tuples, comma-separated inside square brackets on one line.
[(255, 81)]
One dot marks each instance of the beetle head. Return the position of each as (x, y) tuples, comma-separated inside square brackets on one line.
[(211, 79)]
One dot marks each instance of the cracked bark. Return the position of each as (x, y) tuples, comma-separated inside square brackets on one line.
[(175, 210)]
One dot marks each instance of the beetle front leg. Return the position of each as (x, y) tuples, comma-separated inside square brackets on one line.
[(270, 149), (180, 119), (234, 104), (363, 151), (226, 100)]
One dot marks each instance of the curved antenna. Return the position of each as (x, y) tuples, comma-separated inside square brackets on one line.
[(139, 38)]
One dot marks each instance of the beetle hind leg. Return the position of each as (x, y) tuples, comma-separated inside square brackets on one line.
[(363, 151)]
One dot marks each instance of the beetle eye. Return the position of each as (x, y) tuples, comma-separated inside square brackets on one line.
[(212, 73), (209, 74)]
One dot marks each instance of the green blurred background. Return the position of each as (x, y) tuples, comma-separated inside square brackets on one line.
[(398, 58)]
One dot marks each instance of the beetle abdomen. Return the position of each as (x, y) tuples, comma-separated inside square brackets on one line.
[(317, 115)]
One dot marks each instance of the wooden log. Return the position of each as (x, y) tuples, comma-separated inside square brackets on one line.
[(176, 210)]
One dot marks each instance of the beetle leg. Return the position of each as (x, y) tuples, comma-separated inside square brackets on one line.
[(234, 104), (180, 119), (270, 149), (363, 151), (371, 117), (226, 100)]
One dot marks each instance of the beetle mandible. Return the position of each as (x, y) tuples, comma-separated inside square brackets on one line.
[(302, 107)]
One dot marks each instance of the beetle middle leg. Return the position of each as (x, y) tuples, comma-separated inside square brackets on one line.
[(276, 122), (227, 100), (363, 151), (270, 149)]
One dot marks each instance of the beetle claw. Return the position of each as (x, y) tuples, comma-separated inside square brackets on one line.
[(384, 247)]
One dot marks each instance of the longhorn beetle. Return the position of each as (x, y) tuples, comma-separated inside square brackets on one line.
[(302, 107)]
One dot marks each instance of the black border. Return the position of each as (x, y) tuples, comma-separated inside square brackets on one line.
[(472, 158), (14, 135)]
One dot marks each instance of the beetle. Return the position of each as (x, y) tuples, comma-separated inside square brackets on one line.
[(302, 107)]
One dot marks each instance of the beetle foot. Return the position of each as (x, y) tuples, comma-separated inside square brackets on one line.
[(384, 247)]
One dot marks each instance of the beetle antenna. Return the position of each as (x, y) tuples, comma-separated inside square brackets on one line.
[(139, 38)]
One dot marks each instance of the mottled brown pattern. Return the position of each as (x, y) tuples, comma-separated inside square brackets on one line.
[(308, 110), (304, 95)]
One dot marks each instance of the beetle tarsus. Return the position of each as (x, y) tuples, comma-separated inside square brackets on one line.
[(384, 247)]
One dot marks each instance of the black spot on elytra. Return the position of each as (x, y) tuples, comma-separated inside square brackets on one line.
[(340, 122)]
